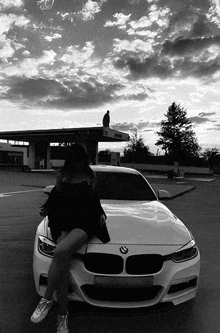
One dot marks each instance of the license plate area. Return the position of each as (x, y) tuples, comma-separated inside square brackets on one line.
[(123, 282)]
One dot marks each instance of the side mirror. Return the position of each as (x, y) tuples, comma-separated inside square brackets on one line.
[(163, 195), (48, 189)]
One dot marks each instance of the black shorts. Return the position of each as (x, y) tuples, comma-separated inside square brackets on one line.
[(67, 223)]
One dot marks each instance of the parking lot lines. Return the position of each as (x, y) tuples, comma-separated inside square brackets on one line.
[(18, 192)]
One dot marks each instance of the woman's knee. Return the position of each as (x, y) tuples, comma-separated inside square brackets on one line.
[(70, 244), (77, 237), (61, 254)]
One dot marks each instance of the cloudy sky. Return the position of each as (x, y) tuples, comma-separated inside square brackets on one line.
[(64, 63)]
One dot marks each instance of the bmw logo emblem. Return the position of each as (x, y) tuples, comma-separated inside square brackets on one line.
[(123, 249)]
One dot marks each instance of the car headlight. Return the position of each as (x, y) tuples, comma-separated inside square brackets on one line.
[(187, 252), (46, 246)]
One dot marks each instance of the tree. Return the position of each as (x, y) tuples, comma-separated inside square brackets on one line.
[(209, 156), (177, 137), (209, 153), (136, 151)]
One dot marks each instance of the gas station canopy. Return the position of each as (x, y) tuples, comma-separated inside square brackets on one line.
[(39, 141), (99, 134)]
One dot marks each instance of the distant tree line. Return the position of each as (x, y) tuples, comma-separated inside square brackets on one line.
[(136, 151), (176, 139)]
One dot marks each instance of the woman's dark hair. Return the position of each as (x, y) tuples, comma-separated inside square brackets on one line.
[(76, 155), (77, 162)]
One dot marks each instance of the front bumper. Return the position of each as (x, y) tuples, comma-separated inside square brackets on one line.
[(175, 282)]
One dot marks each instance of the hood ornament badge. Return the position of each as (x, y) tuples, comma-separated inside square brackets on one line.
[(123, 249)]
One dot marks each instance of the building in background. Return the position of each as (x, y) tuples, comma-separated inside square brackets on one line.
[(11, 154), (37, 153)]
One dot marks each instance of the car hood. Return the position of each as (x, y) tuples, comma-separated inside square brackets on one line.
[(138, 222)]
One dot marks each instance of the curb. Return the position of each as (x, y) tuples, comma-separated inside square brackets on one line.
[(182, 193), (174, 190)]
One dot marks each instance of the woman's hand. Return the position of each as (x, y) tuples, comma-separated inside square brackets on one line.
[(62, 236), (102, 220)]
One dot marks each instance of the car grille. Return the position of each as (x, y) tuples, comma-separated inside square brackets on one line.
[(144, 264), (103, 263), (121, 294)]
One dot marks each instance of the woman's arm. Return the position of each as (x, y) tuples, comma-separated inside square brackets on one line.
[(59, 176), (102, 220)]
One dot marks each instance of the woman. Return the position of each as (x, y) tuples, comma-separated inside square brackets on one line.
[(75, 214)]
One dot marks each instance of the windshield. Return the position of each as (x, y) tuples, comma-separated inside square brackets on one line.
[(123, 186)]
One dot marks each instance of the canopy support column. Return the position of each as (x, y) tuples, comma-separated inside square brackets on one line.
[(31, 159)]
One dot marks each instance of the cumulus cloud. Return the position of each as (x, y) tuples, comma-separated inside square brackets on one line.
[(151, 25), (5, 4), (184, 44), (45, 4), (59, 95), (30, 67), (138, 46), (84, 94), (68, 94), (35, 89), (198, 57), (78, 56), (143, 126), (151, 66), (157, 18), (216, 127), (214, 12), (6, 50), (91, 8), (75, 10), (7, 22), (26, 53), (84, 53), (52, 37), (194, 47), (156, 15), (205, 114), (137, 92), (202, 117), (120, 21)]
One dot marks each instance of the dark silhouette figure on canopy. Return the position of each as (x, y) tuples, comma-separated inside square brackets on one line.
[(106, 119)]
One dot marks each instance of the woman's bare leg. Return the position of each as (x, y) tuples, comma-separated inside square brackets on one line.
[(59, 268), (62, 292)]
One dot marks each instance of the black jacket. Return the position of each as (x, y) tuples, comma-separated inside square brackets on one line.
[(77, 206)]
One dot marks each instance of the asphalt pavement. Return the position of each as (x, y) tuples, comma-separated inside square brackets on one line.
[(21, 195)]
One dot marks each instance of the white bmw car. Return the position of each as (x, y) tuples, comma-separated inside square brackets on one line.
[(152, 256)]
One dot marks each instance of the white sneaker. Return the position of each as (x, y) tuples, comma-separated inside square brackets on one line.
[(41, 310), (62, 326)]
